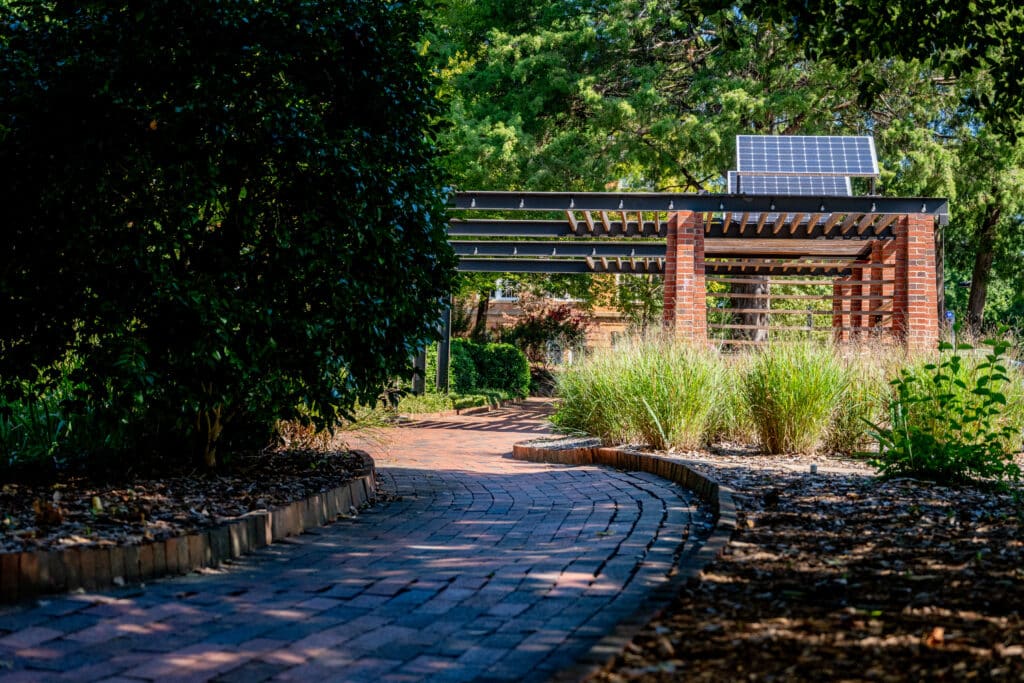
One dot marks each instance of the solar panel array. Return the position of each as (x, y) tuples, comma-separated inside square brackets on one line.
[(782, 185), (806, 155)]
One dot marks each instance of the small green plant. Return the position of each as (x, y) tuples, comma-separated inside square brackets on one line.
[(948, 420)]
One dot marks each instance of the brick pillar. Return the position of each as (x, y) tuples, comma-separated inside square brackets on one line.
[(915, 317), (685, 288)]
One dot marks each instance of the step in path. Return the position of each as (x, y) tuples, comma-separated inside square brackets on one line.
[(480, 568)]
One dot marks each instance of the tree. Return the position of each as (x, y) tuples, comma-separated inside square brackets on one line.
[(228, 211), (962, 39)]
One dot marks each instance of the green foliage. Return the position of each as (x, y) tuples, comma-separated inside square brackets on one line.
[(535, 331), (659, 391), (202, 216), (864, 401), (504, 367), (462, 373), (948, 420), (791, 390), (488, 367), (437, 403), (730, 418)]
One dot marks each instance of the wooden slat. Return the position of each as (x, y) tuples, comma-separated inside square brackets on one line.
[(796, 223), (781, 328), (825, 281), (849, 222), (775, 311), (606, 223), (760, 222), (744, 220), (865, 222), (830, 223), (886, 222), (590, 222), (797, 297), (572, 220), (779, 224), (761, 263)]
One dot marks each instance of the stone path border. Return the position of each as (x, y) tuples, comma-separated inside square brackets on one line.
[(690, 564), (30, 574)]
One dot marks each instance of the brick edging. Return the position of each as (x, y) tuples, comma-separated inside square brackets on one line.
[(719, 497), (30, 574)]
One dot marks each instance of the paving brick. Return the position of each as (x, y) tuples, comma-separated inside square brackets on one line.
[(483, 570)]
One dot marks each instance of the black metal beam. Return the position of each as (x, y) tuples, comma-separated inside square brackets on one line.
[(561, 249), (702, 203), (579, 265), (517, 228)]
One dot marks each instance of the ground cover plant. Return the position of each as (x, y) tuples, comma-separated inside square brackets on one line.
[(950, 418)]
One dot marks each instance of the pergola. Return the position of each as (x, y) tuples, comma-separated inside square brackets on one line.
[(877, 253)]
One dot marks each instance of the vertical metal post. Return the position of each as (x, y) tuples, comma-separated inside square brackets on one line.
[(444, 348), (420, 372)]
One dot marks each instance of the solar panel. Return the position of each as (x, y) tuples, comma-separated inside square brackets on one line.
[(822, 155), (782, 185)]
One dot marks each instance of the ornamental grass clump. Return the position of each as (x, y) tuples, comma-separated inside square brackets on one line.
[(865, 401), (657, 391), (791, 390), (672, 388), (592, 394), (952, 420)]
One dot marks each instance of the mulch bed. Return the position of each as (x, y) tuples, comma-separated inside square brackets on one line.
[(74, 510), (841, 576)]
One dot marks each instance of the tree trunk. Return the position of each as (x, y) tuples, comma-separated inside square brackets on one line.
[(985, 251), (760, 319), (479, 332)]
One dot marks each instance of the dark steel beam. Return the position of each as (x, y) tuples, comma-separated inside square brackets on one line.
[(703, 203), (561, 249), (516, 228)]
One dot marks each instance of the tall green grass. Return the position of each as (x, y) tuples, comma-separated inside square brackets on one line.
[(656, 391), (792, 391)]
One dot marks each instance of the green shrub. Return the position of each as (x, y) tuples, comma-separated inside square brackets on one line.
[(792, 390), (198, 226), (462, 373), (950, 420), (505, 368)]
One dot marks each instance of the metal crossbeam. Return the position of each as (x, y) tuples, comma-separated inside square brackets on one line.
[(700, 203), (561, 249)]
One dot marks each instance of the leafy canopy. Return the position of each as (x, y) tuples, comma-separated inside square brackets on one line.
[(225, 210)]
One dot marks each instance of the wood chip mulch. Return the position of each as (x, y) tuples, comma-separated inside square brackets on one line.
[(74, 510), (840, 576)]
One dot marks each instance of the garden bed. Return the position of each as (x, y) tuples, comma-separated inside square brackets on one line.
[(839, 575), (62, 513)]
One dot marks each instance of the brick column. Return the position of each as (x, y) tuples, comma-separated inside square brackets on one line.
[(915, 317), (685, 288)]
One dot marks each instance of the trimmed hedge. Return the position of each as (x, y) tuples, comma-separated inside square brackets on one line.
[(500, 367)]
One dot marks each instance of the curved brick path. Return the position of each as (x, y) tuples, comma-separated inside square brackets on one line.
[(483, 568)]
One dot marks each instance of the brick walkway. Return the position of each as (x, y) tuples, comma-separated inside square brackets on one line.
[(482, 568)]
